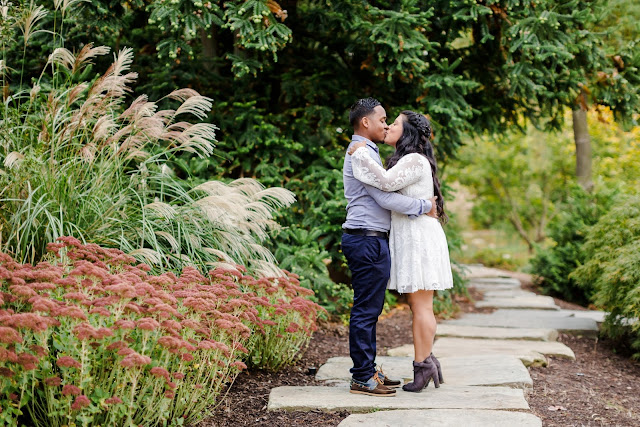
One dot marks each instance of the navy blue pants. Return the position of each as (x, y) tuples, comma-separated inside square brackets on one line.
[(370, 264)]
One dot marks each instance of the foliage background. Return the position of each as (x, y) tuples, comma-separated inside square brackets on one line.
[(283, 74)]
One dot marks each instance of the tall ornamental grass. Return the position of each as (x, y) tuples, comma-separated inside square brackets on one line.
[(79, 156), (92, 338)]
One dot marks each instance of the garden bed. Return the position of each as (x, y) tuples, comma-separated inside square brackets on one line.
[(599, 388)]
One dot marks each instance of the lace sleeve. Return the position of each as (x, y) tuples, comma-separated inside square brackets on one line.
[(408, 170)]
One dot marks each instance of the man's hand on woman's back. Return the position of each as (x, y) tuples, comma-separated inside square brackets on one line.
[(434, 208)]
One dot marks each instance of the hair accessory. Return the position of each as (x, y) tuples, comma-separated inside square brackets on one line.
[(421, 123)]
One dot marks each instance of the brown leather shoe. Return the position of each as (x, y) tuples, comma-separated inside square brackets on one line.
[(372, 387), (388, 382)]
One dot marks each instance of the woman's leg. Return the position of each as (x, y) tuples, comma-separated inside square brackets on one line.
[(424, 331), (424, 323)]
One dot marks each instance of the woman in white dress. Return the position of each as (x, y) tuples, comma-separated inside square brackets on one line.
[(419, 253)]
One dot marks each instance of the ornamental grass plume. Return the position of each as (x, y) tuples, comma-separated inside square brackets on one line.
[(73, 140)]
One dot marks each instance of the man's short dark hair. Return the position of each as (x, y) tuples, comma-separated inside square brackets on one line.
[(362, 108)]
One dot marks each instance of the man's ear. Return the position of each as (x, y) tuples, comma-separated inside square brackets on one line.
[(365, 122)]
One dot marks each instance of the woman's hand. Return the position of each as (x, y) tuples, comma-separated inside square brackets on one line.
[(355, 146)]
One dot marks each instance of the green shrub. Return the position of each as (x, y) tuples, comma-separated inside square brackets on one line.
[(567, 230), (495, 258), (302, 253), (612, 268), (444, 303)]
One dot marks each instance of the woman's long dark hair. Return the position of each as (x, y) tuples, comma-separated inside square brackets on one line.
[(416, 138)]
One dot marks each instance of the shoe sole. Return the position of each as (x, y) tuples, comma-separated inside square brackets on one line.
[(393, 386), (372, 394)]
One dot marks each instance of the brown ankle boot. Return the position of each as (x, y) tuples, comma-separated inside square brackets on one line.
[(423, 373)]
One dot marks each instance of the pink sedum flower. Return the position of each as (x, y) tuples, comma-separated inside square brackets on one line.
[(9, 335), (238, 364), (148, 324), (81, 401), (124, 324), (68, 362), (135, 360), (70, 390), (101, 311), (113, 400), (160, 372), (28, 361), (6, 372), (53, 381)]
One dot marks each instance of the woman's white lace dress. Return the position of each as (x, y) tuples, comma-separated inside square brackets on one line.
[(419, 251)]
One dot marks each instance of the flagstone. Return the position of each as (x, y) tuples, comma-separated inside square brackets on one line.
[(508, 293), (496, 281), (519, 302), (338, 398), (509, 318), (442, 418), (527, 358), (486, 287), (475, 271), (489, 370), (498, 333), (529, 352), (596, 315)]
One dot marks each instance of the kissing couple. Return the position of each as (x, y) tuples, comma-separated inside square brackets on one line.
[(393, 239)]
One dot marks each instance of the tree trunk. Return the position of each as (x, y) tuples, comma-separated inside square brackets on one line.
[(583, 147), (209, 49), (514, 217)]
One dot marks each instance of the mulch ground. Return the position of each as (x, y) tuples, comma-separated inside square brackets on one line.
[(600, 388)]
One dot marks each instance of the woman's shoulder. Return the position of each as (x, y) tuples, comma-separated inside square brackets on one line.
[(415, 157)]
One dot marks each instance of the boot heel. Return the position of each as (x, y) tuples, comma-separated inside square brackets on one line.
[(437, 363)]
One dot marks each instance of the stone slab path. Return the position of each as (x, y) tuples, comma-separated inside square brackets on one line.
[(518, 301), (483, 359), (561, 320), (482, 332), (447, 397), (493, 370), (529, 352), (442, 418)]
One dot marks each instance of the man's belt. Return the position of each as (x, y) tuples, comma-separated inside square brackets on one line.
[(363, 232)]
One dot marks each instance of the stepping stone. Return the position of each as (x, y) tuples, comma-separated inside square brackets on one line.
[(529, 352), (598, 316), (508, 293), (560, 320), (442, 418), (291, 398), (482, 332), (520, 302), (486, 287), (473, 271), (507, 371), (507, 285), (496, 281)]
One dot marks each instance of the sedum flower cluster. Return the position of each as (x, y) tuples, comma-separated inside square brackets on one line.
[(92, 338)]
